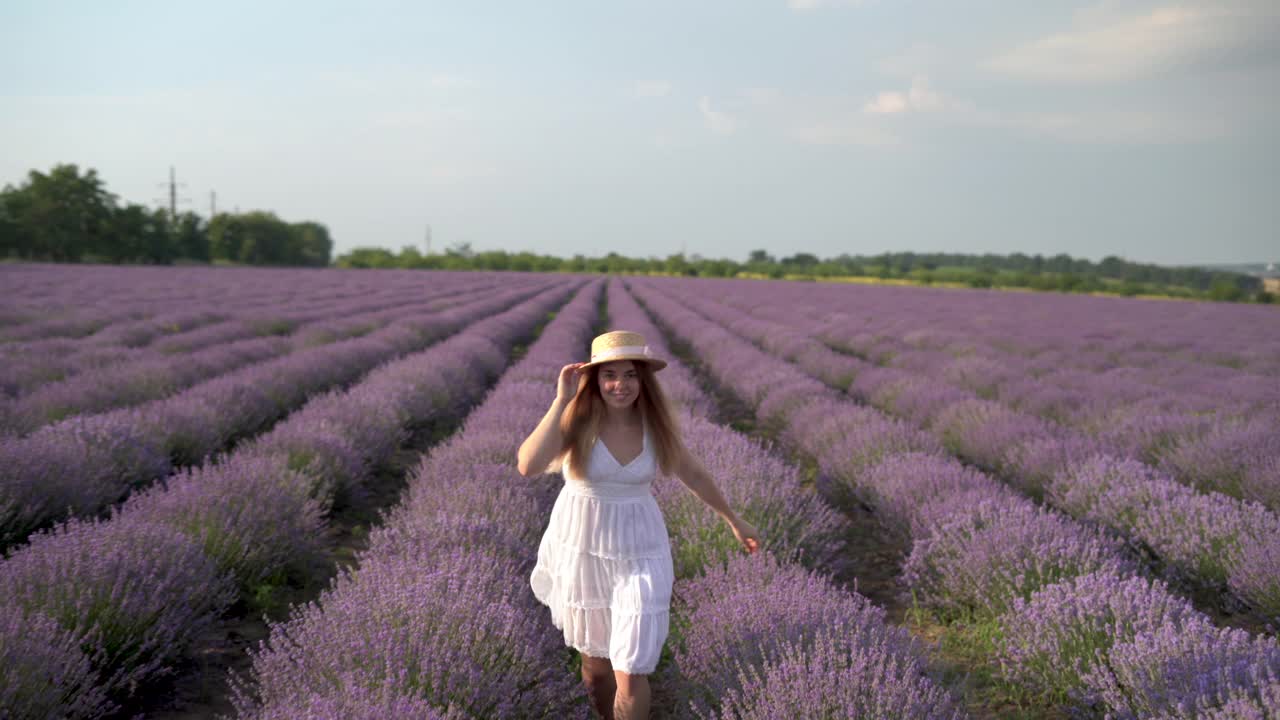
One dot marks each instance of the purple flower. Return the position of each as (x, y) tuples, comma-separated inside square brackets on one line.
[(1171, 669), (43, 671), (1048, 641), (134, 593), (984, 556), (835, 677)]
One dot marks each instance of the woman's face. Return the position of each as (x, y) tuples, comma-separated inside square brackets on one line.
[(619, 383)]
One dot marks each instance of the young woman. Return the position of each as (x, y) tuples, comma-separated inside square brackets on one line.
[(604, 563)]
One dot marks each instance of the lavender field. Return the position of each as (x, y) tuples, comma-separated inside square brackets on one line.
[(972, 503)]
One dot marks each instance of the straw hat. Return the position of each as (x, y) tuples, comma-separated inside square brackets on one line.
[(622, 345)]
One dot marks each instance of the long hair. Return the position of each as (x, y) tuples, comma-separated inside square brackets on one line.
[(580, 423)]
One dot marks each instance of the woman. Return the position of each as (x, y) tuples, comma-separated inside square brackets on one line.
[(604, 563)]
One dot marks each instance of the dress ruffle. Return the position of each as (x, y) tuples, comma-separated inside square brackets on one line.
[(616, 609)]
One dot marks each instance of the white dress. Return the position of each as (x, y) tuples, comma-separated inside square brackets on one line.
[(604, 562)]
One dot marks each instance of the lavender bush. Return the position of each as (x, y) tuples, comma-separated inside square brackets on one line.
[(43, 671), (134, 593), (984, 556), (450, 631), (1171, 670), (1049, 641), (438, 612), (87, 463), (914, 492), (796, 524), (836, 677), (249, 513), (746, 612), (1198, 537)]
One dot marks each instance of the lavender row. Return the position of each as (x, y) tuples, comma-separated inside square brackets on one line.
[(85, 464), (977, 550), (1215, 647), (98, 608), (30, 365), (138, 291), (1208, 539), (1211, 427), (1140, 397), (762, 636), (152, 376), (437, 616), (1232, 349), (77, 301), (182, 325)]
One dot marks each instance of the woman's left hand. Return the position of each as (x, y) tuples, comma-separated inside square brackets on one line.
[(746, 535)]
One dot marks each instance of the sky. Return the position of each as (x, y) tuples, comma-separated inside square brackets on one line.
[(1146, 130)]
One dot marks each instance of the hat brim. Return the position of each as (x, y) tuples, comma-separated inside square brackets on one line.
[(656, 363)]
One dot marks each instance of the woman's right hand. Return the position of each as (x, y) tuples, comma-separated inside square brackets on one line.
[(568, 385)]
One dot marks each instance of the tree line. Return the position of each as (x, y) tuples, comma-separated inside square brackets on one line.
[(1060, 272), (69, 216)]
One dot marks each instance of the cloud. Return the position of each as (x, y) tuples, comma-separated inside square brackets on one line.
[(1111, 125), (1104, 46), (919, 98), (652, 88), (717, 122)]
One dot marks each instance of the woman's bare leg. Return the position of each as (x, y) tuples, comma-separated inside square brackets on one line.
[(598, 676), (632, 700)]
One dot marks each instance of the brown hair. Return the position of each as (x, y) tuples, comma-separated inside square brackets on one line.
[(580, 423)]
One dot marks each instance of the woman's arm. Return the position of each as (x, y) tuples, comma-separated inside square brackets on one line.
[(543, 444), (698, 480)]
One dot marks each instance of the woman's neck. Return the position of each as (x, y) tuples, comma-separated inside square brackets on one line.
[(621, 417)]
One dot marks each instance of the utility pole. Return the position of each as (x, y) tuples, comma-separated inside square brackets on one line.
[(213, 204), (428, 239), (173, 195)]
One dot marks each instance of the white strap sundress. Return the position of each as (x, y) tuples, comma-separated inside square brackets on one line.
[(604, 562)]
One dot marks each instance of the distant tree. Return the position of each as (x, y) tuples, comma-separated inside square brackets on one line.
[(62, 215), (676, 264), (1112, 266), (1224, 290), (460, 249), (191, 237), (801, 260), (409, 257), (135, 233), (368, 258), (261, 238), (310, 244), (10, 230)]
